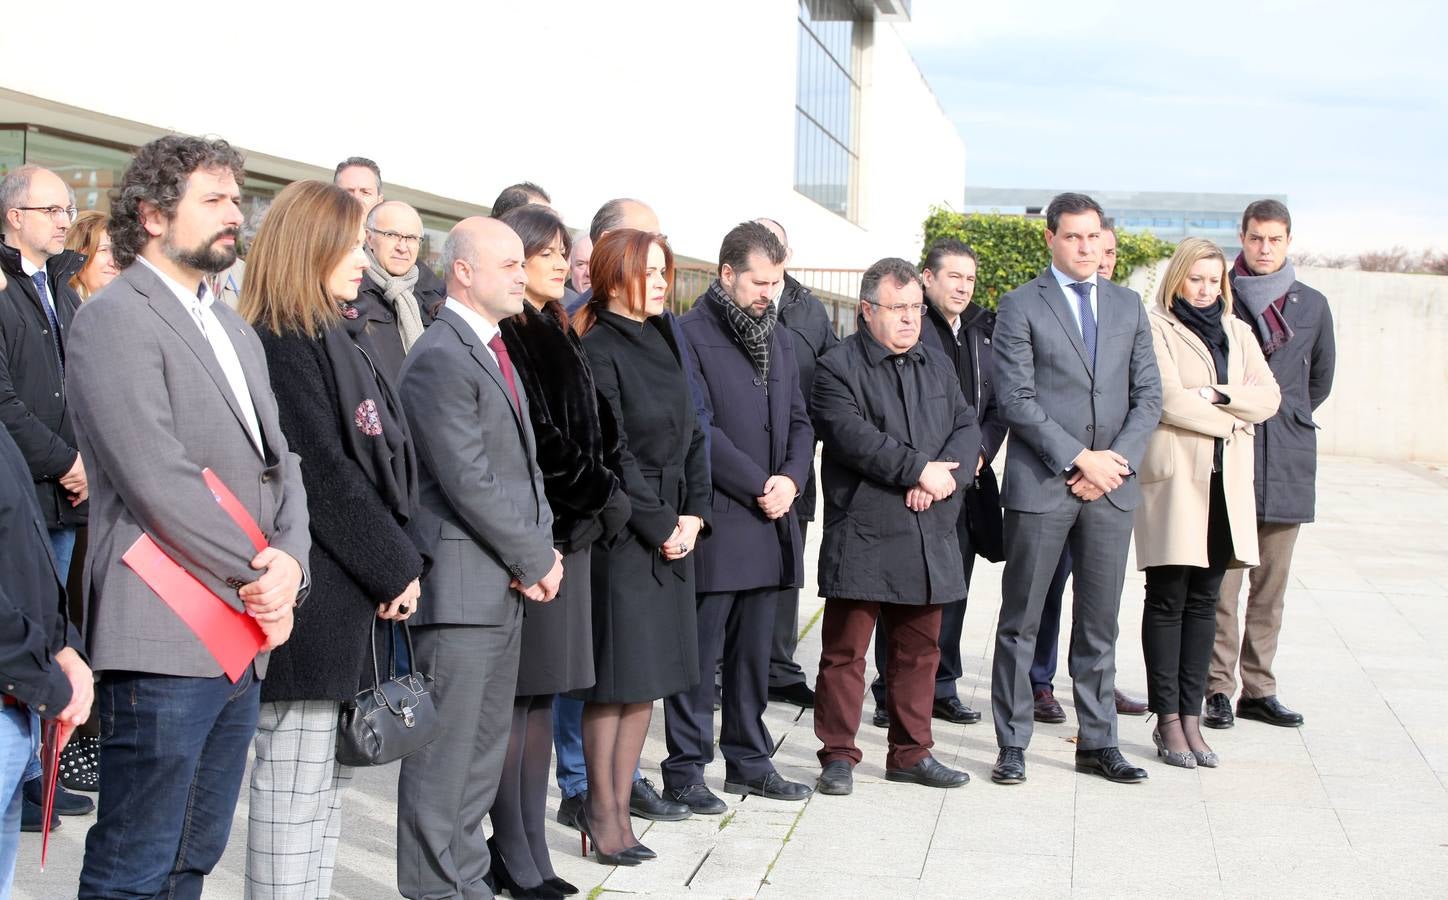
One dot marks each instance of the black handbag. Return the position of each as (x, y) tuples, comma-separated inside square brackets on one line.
[(391, 719)]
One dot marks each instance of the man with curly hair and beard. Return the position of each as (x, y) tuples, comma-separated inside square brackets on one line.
[(165, 384)]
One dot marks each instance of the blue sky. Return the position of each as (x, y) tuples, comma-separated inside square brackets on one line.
[(1343, 107)]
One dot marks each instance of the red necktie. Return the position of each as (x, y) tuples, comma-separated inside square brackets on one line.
[(506, 365)]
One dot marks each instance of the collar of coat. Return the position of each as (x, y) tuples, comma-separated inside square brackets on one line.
[(876, 352), (59, 267)]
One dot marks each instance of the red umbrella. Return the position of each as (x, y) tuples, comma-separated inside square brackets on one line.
[(53, 736)]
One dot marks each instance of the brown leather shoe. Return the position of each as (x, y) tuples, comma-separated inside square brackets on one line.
[(1047, 709), (1129, 706)]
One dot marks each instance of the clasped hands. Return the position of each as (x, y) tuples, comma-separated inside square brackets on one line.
[(271, 598), (1098, 473), (778, 496), (545, 588), (678, 544), (936, 483)]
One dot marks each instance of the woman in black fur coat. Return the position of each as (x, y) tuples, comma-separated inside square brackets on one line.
[(576, 440)]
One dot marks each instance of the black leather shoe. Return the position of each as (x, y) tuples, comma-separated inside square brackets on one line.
[(881, 718), (773, 786), (1010, 767), (66, 803), (798, 693), (568, 810), (952, 710), (697, 798), (931, 773), (1267, 709), (1219, 712), (836, 778), (1109, 764), (33, 814), (567, 889), (644, 801)]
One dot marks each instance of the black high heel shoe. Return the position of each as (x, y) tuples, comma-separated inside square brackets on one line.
[(585, 830), (641, 852), (503, 880), (561, 886)]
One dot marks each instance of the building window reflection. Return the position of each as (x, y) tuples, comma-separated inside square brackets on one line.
[(827, 103)]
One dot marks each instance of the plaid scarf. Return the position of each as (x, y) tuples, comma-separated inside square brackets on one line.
[(753, 333)]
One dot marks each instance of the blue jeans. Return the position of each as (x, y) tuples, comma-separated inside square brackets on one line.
[(568, 744), (172, 755), (17, 747)]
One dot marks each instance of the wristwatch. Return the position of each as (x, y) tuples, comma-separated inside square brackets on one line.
[(1207, 394)]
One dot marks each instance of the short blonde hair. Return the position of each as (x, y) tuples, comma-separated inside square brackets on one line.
[(1188, 253)]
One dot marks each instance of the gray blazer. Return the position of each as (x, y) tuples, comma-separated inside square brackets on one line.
[(152, 409), (478, 476), (1053, 402)]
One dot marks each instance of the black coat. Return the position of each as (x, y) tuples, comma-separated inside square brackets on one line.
[(33, 625), (644, 624), (1286, 444), (755, 430), (974, 362), (578, 439), (813, 335), (361, 554), (383, 335), (882, 417), (32, 396)]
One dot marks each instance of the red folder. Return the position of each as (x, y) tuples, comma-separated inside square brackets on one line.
[(231, 636), (53, 736)]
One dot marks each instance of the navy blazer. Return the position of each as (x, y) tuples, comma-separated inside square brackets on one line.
[(757, 428)]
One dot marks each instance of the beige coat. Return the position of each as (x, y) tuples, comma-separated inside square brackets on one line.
[(1176, 473)]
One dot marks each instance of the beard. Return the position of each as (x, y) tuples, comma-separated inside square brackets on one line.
[(204, 257)]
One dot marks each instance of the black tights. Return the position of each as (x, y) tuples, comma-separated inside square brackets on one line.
[(519, 808), (613, 740)]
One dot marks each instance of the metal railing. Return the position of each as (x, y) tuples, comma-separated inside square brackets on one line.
[(838, 290)]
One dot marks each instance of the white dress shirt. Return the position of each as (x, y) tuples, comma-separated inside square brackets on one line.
[(484, 329), (1073, 299), (215, 333)]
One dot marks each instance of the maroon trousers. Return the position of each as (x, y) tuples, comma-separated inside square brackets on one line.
[(913, 653)]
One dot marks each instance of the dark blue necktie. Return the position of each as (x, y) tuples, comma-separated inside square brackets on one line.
[(40, 287), (1088, 319)]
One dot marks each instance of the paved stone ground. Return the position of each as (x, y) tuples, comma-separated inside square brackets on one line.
[(1353, 804)]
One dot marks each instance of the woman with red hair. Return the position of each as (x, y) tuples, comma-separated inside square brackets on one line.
[(644, 642)]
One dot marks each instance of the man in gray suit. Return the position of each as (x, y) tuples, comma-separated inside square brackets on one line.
[(1078, 386), (470, 422), (165, 383)]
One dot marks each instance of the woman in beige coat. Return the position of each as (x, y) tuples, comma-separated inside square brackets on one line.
[(1197, 515)]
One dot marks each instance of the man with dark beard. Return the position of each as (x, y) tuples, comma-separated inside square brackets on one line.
[(165, 384)]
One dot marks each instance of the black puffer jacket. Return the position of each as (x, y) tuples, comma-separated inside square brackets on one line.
[(813, 335), (32, 394)]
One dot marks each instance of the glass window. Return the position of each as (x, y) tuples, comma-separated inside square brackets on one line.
[(827, 102)]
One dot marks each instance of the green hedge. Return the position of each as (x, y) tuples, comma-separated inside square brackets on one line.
[(1012, 249)]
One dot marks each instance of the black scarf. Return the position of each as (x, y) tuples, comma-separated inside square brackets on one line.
[(374, 430), (753, 333), (1206, 323)]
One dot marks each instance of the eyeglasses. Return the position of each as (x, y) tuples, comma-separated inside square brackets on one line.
[(55, 212), (900, 309), (398, 236)]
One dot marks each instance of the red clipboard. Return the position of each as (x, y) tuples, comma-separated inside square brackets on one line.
[(231, 636), (52, 736)]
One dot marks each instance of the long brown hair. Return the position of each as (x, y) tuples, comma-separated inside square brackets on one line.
[(307, 231), (620, 262), (85, 238)]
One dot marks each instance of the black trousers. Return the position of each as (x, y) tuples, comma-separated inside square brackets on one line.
[(740, 623), (952, 628), (1179, 623), (783, 670)]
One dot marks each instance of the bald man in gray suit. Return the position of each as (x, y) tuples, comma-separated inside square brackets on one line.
[(1078, 386), (469, 420)]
